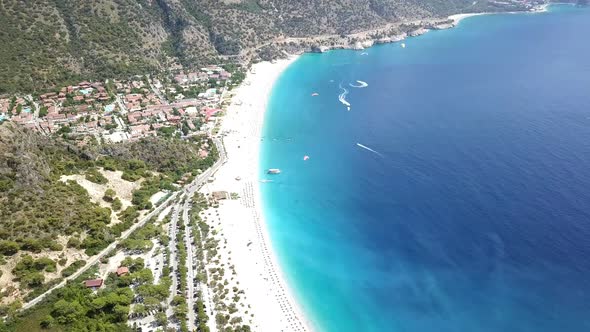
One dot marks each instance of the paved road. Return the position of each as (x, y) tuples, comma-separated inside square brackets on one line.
[(121, 104), (94, 259), (190, 300), (173, 263), (157, 92), (191, 261), (191, 250), (190, 188)]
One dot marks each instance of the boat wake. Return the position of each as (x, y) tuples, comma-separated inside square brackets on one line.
[(342, 97), (369, 149), (361, 84)]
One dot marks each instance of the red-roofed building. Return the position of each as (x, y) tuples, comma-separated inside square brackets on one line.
[(132, 117), (93, 283), (48, 95), (173, 118), (133, 97), (123, 270), (209, 112), (139, 129)]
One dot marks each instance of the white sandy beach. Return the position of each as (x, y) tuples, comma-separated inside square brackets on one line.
[(241, 221), (459, 17), (268, 303)]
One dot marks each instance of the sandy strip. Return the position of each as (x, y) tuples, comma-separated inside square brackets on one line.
[(241, 221), (459, 17)]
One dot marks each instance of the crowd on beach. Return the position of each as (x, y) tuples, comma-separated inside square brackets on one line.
[(273, 277)]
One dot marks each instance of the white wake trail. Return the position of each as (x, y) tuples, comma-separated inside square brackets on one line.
[(361, 84), (369, 149), (342, 97)]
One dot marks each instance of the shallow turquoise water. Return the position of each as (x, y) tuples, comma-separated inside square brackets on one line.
[(474, 214)]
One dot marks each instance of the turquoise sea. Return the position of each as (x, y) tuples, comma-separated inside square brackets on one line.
[(455, 193)]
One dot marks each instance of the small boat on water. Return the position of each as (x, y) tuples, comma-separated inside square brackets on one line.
[(315, 94), (273, 171)]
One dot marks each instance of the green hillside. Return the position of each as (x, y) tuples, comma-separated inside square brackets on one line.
[(46, 42)]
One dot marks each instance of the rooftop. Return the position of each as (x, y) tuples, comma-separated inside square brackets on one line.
[(93, 283)]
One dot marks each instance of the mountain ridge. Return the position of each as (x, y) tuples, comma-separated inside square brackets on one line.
[(50, 42)]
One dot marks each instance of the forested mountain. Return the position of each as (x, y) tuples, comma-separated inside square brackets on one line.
[(45, 42), (36, 201)]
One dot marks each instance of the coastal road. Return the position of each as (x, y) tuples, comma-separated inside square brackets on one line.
[(190, 188), (190, 257), (190, 299), (94, 259), (173, 262), (191, 262), (203, 177)]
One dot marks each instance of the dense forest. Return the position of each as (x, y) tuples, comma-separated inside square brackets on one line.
[(49, 42), (37, 206)]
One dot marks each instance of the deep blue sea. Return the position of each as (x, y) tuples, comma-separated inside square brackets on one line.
[(473, 211)]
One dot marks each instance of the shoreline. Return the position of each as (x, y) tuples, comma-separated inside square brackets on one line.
[(459, 17), (249, 247), (366, 39), (272, 305)]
